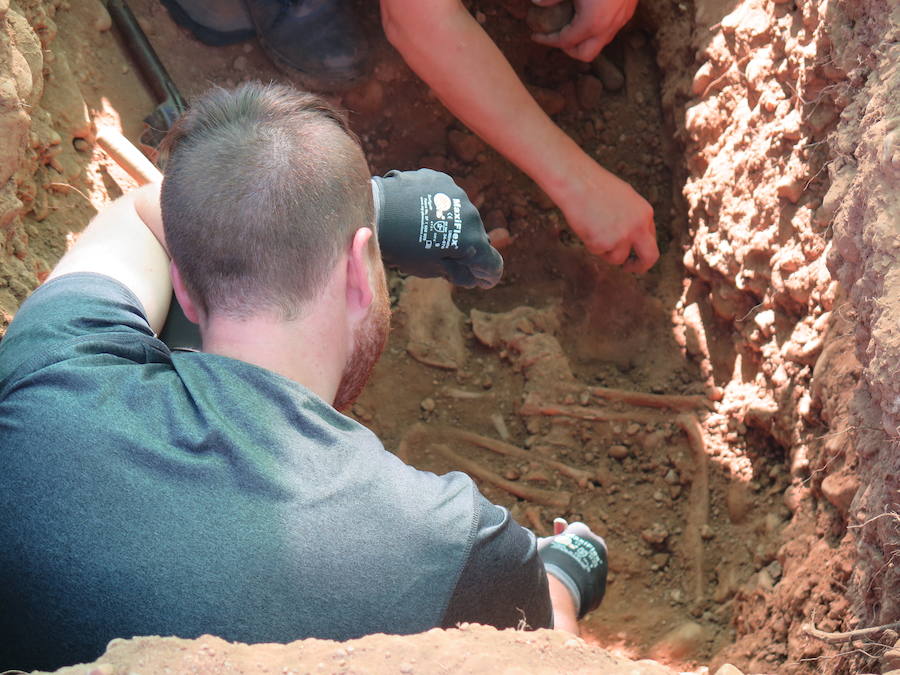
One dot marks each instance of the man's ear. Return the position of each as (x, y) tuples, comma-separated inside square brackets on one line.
[(181, 294), (359, 287)]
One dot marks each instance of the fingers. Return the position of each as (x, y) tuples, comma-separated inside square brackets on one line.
[(587, 51), (481, 265), (618, 254), (570, 36), (646, 249), (458, 273)]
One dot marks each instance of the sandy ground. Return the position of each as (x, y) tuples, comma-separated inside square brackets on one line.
[(765, 137)]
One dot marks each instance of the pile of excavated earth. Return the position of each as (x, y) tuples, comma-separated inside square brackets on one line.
[(729, 422)]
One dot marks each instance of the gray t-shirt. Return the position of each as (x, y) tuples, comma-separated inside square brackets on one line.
[(144, 491)]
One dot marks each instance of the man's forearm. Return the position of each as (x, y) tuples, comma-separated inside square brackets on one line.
[(125, 241), (564, 614)]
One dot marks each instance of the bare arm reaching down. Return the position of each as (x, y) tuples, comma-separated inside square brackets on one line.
[(125, 241), (448, 49)]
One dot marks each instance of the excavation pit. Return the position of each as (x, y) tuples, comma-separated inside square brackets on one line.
[(728, 421)]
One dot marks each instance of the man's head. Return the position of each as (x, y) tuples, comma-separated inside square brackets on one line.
[(266, 191)]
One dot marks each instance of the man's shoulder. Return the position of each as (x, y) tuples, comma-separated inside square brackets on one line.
[(75, 315)]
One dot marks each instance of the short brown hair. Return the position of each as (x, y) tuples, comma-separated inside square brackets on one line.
[(264, 186)]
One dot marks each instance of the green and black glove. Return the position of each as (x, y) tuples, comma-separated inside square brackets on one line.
[(578, 558), (427, 227)]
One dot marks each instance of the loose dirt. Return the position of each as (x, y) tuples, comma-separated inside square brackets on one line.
[(729, 422)]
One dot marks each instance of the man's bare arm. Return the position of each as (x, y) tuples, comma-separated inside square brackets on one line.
[(565, 616), (125, 241), (444, 44)]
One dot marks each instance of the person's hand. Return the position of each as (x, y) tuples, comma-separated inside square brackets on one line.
[(611, 219), (428, 227), (592, 28), (578, 558)]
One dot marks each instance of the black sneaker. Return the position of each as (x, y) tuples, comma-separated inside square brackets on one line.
[(213, 22), (320, 40)]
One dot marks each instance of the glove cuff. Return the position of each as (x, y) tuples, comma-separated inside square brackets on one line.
[(581, 566), (378, 200), (390, 240)]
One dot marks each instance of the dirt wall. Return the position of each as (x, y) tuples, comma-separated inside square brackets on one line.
[(865, 195), (46, 151), (789, 126)]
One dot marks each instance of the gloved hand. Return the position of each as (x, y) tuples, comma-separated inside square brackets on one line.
[(427, 227), (578, 558)]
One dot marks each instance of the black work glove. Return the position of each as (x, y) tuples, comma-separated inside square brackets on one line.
[(578, 558), (427, 227)]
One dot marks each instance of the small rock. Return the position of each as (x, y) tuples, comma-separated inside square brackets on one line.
[(839, 489), (512, 474), (728, 669), (790, 188), (609, 74), (589, 92), (681, 641), (407, 668), (794, 495), (428, 404), (672, 477), (103, 22), (706, 532), (552, 102), (737, 501), (367, 99), (619, 452), (240, 63), (500, 238), (702, 78), (655, 535), (550, 19), (890, 660), (81, 145), (464, 145)]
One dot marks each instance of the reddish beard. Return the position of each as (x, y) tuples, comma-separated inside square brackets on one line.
[(368, 344)]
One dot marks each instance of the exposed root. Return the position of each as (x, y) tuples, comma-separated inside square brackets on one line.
[(533, 406), (638, 398), (698, 501), (500, 425), (582, 478), (463, 394), (846, 636), (679, 402), (556, 498), (535, 519)]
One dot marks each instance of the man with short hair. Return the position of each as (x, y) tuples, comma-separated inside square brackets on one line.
[(146, 491)]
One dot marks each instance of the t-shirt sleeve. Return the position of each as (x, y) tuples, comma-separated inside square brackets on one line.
[(503, 582), (62, 312)]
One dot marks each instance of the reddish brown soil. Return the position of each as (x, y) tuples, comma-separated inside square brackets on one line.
[(729, 123)]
